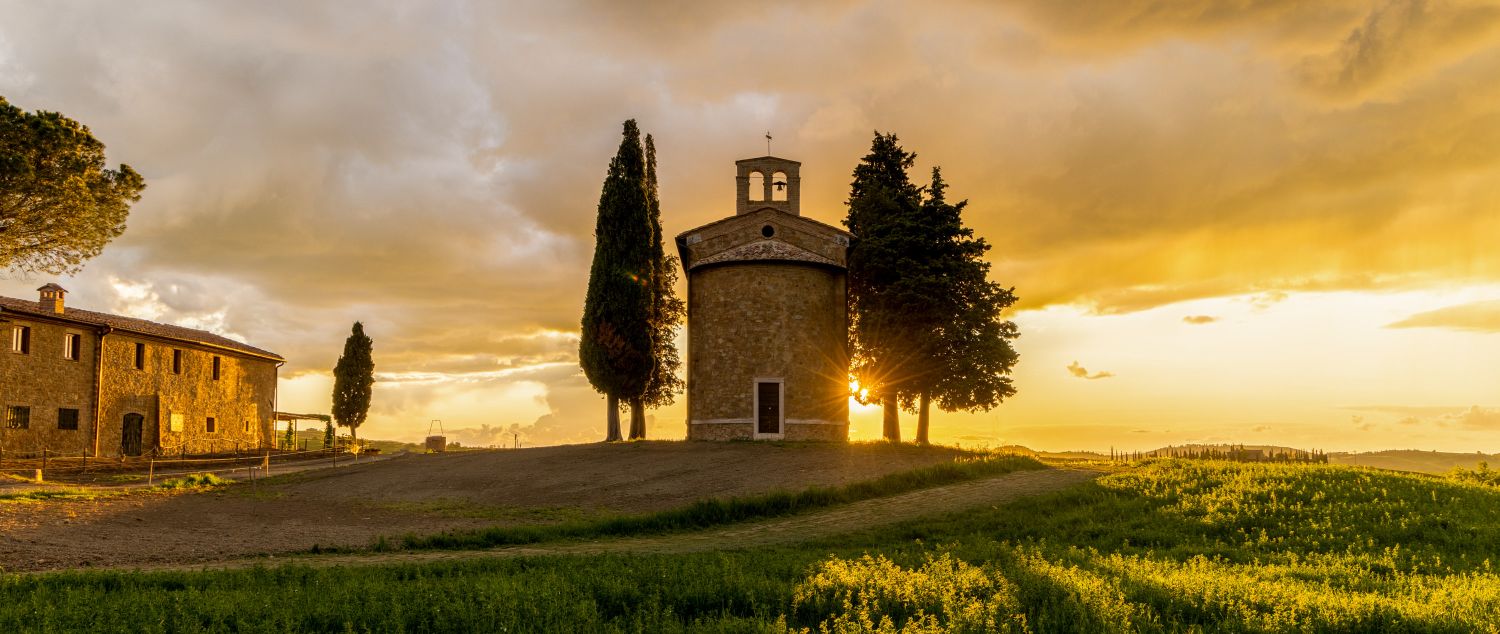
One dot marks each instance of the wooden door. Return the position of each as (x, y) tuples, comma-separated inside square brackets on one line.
[(768, 408), (130, 435)]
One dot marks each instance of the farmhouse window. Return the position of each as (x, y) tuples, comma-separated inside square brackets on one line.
[(72, 342), (176, 362), (67, 418), (20, 340), (18, 417), (140, 356), (210, 425), (216, 368)]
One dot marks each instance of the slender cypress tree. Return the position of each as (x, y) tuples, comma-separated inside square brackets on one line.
[(615, 346), (667, 313), (884, 213), (353, 378), (327, 434)]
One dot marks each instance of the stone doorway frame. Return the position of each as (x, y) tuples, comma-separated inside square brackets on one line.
[(755, 408)]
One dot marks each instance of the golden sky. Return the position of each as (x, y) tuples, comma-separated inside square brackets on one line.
[(1230, 222)]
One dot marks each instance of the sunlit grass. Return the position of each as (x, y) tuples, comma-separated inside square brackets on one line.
[(1165, 546)]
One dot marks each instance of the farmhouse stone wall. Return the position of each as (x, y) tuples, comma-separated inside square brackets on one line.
[(175, 403), (46, 381), (241, 401)]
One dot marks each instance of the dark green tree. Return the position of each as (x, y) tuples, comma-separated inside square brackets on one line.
[(353, 378), (884, 215), (615, 345), (290, 441), (327, 434), (667, 313), (59, 203), (966, 354)]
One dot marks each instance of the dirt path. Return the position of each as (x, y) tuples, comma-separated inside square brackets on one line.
[(787, 530), (352, 506)]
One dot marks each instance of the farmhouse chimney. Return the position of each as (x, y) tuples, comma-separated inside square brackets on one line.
[(52, 298)]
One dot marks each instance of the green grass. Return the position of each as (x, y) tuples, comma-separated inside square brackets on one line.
[(57, 493), (1164, 546), (720, 511), (194, 481)]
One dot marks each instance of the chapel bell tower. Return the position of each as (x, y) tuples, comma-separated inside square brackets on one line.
[(768, 182)]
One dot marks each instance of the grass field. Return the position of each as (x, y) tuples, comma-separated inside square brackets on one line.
[(1162, 546)]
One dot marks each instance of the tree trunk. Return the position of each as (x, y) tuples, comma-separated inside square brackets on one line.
[(637, 419), (892, 419), (612, 419), (924, 405)]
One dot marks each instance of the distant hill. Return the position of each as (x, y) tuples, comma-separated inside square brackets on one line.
[(1413, 460), (313, 439)]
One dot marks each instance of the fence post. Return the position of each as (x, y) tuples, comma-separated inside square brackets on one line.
[(151, 471), (44, 465), (266, 462)]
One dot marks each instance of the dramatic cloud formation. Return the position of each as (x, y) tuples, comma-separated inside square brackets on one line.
[(432, 169), (1476, 317), (1083, 373)]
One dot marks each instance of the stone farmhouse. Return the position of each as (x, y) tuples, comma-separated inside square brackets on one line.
[(77, 382), (767, 315)]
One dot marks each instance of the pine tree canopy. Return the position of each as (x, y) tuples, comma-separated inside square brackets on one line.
[(884, 213), (925, 318), (969, 345), (59, 204), (615, 348)]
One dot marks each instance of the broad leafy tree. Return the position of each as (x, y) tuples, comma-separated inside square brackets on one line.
[(615, 347), (884, 214), (353, 379), (59, 202), (667, 313)]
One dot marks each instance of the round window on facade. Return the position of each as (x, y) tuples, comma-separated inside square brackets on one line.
[(768, 231)]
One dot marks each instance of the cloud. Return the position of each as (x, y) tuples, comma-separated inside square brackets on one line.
[(1083, 373), (1360, 423), (1199, 319), (433, 170), (1260, 428), (1475, 418), (1473, 317), (1472, 417)]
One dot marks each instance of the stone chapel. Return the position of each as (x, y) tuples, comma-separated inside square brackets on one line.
[(767, 315)]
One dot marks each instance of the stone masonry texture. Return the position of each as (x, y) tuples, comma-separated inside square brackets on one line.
[(767, 299), (241, 400)]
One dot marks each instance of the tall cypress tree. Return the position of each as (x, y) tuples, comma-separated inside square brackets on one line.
[(667, 313), (353, 378), (966, 351), (615, 346), (884, 213)]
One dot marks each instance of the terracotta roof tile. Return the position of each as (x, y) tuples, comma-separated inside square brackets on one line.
[(131, 324)]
